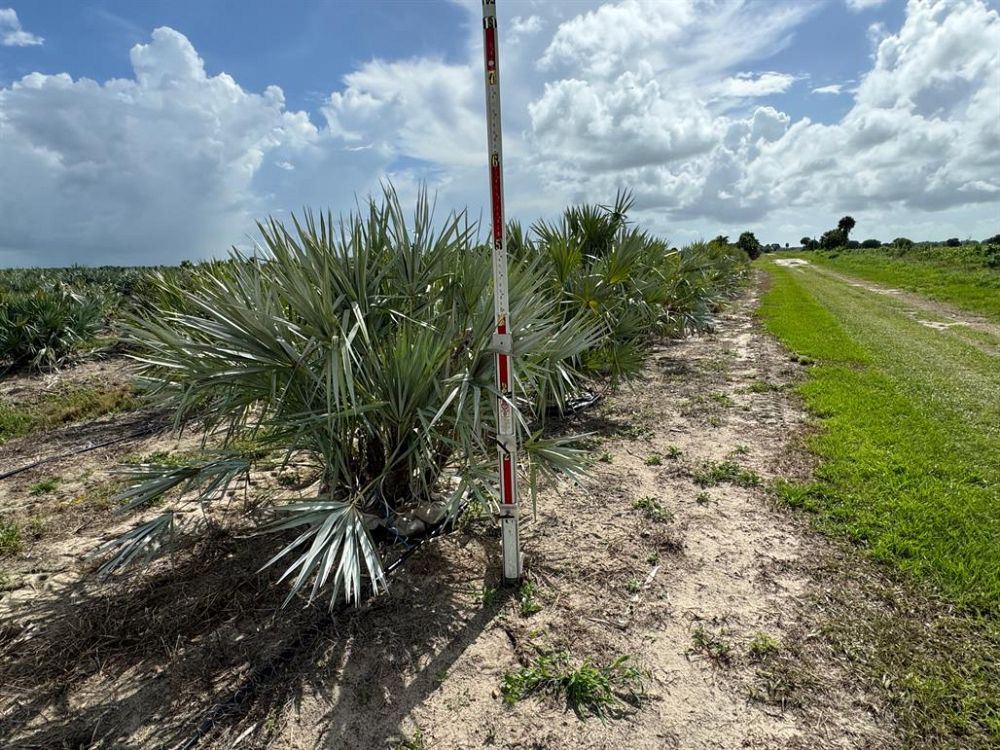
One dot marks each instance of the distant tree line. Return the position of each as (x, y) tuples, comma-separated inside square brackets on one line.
[(840, 237), (748, 243), (834, 239)]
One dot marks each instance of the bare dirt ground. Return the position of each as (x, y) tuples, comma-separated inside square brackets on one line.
[(142, 662)]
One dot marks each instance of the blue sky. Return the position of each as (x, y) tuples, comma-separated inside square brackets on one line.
[(153, 131)]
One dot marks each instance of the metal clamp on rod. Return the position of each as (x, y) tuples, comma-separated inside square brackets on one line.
[(503, 343), (507, 444)]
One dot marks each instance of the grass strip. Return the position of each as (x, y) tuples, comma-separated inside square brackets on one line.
[(938, 273), (63, 407), (909, 468)]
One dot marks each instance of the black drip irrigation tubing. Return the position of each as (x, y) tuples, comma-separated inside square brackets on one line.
[(48, 459), (225, 708)]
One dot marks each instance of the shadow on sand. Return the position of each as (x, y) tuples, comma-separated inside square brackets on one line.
[(197, 651)]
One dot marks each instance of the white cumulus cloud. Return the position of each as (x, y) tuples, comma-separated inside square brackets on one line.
[(859, 5), (669, 99), (149, 169), (11, 33)]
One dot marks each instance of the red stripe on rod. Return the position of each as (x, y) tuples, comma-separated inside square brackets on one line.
[(508, 482), (496, 189), (490, 37), (504, 373)]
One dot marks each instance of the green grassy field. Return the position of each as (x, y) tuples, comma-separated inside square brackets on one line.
[(909, 450), (961, 276)]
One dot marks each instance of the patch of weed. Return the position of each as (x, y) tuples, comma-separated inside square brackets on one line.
[(526, 598), (712, 473), (14, 421), (588, 689), (761, 386), (763, 646), (636, 432), (779, 684), (652, 509), (487, 597), (35, 526), (416, 742), (654, 459), (711, 645), (68, 405), (10, 538), (45, 486), (723, 400)]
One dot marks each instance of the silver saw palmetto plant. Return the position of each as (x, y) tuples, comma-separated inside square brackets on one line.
[(362, 347)]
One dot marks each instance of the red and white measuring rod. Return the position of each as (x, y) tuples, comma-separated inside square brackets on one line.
[(502, 341)]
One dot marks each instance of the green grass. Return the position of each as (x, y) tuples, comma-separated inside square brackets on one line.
[(63, 407), (588, 689), (911, 444), (910, 465), (956, 275)]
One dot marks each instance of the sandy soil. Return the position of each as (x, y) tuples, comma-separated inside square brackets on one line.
[(140, 662)]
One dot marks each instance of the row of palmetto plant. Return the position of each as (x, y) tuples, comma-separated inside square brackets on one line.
[(50, 315), (42, 327), (363, 347)]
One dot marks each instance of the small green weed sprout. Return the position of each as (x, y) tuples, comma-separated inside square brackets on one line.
[(475, 514), (711, 646), (761, 386), (416, 742), (723, 400), (763, 646), (673, 452), (45, 486), (652, 509), (712, 473), (35, 526), (654, 459), (588, 689), (703, 498), (526, 596), (10, 538), (636, 432), (486, 598), (633, 585)]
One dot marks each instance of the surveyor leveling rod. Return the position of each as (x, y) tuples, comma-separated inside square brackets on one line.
[(502, 340)]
